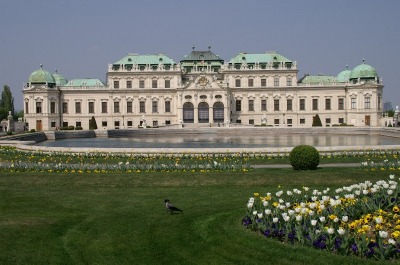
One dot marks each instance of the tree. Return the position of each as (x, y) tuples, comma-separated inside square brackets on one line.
[(6, 103), (92, 124), (316, 121)]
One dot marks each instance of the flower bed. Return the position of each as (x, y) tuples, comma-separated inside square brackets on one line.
[(362, 219)]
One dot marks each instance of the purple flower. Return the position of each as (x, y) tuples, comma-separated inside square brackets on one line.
[(354, 248)]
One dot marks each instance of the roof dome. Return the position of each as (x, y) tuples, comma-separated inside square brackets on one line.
[(344, 75), (60, 80), (363, 71), (41, 77)]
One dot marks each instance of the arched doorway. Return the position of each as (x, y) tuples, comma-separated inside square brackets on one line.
[(203, 112), (188, 112), (218, 112)]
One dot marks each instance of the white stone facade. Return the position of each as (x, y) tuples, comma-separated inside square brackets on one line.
[(230, 94)]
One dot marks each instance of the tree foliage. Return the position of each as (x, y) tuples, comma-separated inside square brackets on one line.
[(6, 103)]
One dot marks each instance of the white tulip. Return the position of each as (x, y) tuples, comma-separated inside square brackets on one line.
[(313, 222), (345, 219), (383, 234), (275, 219), (260, 215), (267, 211), (322, 219), (254, 212), (331, 231), (341, 231), (299, 218)]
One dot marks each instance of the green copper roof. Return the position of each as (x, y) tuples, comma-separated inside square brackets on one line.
[(41, 77), (344, 75), (89, 82), (259, 58), (202, 56), (317, 79), (60, 80), (363, 71), (145, 59)]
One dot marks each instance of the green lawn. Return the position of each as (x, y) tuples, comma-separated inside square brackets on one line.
[(120, 218)]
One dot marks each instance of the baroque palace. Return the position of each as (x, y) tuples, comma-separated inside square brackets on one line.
[(204, 90)]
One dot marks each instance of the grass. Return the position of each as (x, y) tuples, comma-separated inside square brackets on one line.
[(120, 218)]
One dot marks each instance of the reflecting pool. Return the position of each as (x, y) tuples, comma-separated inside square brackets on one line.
[(225, 141)]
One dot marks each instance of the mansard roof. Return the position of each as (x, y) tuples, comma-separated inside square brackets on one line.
[(317, 79), (134, 58), (202, 56), (84, 82), (267, 57)]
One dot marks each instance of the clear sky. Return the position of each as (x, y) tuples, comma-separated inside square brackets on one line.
[(81, 37)]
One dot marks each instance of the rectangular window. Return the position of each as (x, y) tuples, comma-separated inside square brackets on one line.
[(103, 107), (238, 121), (104, 123), (353, 103), (167, 106), (341, 104), (276, 81), (130, 123), (128, 84), (116, 124), (302, 121), (154, 107), (52, 107), (38, 107), (251, 82), (315, 104), (276, 121), (302, 104), (263, 105), (237, 83), (141, 83), (238, 105), (142, 107), (263, 82), (155, 123), (251, 105), (167, 122), (116, 106), (78, 124), (341, 120), (129, 107), (328, 120), (65, 107), (26, 107), (327, 103), (154, 83), (251, 121), (289, 122), (288, 81), (91, 107), (367, 103), (167, 83), (116, 84), (65, 124), (78, 107), (276, 104), (289, 104), (53, 124)]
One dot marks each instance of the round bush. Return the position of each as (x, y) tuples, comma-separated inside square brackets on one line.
[(304, 157)]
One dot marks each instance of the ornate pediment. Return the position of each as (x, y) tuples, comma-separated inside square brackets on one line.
[(203, 82)]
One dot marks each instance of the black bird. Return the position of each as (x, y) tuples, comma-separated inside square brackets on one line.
[(170, 207)]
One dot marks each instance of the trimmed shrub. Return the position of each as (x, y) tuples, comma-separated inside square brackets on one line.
[(316, 121), (32, 130), (78, 128), (9, 132), (92, 124), (304, 157)]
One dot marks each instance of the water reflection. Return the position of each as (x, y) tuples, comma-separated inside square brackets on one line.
[(219, 141)]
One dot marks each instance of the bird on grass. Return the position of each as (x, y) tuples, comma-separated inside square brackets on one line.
[(170, 208)]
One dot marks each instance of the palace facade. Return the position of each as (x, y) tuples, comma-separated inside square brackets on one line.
[(204, 90)]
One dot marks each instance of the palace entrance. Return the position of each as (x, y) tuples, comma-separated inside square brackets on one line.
[(188, 112), (203, 112), (218, 112)]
